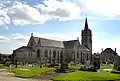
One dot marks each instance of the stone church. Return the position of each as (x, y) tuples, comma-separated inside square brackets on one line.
[(43, 50)]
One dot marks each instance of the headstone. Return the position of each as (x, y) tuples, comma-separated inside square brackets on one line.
[(15, 63), (64, 66), (39, 63), (96, 62), (72, 63), (87, 63)]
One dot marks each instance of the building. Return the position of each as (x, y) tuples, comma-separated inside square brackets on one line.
[(43, 50), (107, 56)]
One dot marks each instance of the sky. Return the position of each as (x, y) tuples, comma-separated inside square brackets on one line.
[(59, 20)]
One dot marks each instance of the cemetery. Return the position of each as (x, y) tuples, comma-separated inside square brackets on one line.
[(66, 71)]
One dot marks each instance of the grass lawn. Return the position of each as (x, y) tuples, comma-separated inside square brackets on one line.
[(32, 72), (75, 67), (106, 67), (82, 75)]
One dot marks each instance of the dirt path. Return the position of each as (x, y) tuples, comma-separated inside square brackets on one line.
[(5, 76)]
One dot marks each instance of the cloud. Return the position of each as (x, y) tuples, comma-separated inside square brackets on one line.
[(4, 39), (24, 14), (20, 37), (108, 8), (62, 10), (4, 17), (20, 13)]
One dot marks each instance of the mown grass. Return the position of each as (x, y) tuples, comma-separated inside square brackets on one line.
[(115, 71), (32, 72), (76, 67), (106, 67), (82, 75)]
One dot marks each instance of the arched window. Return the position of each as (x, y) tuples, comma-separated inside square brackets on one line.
[(57, 54), (46, 53), (50, 53), (81, 56), (38, 53), (61, 54), (73, 55), (77, 55), (54, 54), (87, 56)]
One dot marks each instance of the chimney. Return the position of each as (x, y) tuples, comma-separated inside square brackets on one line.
[(115, 50)]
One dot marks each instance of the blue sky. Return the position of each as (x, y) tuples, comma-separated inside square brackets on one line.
[(59, 20)]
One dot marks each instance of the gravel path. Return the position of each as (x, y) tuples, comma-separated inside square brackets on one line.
[(5, 76)]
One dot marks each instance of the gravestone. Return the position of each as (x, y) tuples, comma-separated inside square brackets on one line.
[(96, 62), (15, 63), (88, 67), (64, 66), (87, 63), (39, 63), (117, 62), (72, 63)]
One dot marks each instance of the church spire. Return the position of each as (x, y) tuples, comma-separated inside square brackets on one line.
[(86, 24)]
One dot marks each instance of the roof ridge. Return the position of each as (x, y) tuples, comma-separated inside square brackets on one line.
[(47, 39)]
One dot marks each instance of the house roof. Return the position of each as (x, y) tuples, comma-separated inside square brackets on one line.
[(48, 42), (70, 44), (25, 49), (83, 48), (60, 44), (36, 39), (108, 50)]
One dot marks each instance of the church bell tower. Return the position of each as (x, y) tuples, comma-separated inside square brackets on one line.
[(87, 37)]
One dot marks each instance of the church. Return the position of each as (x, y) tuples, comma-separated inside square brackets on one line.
[(43, 50)]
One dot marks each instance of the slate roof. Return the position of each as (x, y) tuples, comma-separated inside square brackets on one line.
[(25, 49), (108, 50), (83, 48), (70, 44), (48, 42), (36, 39), (60, 44)]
